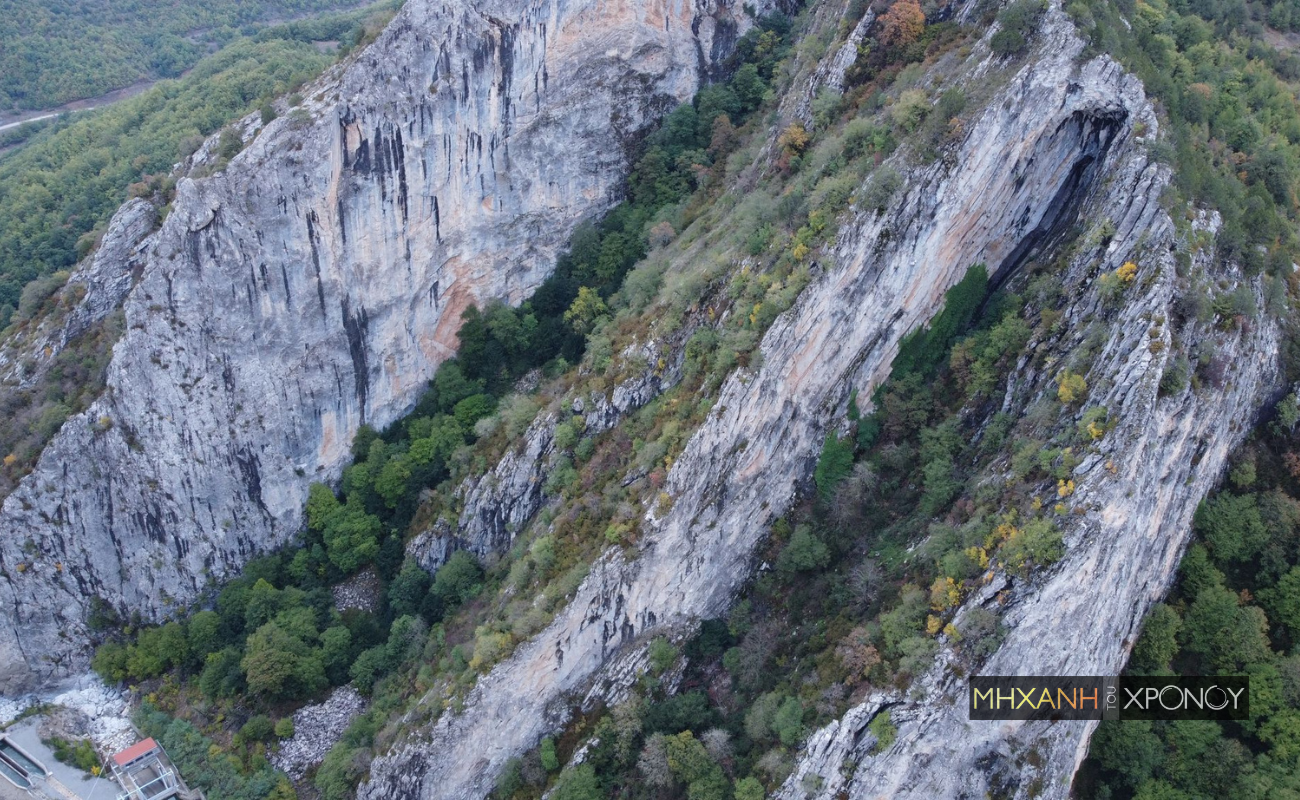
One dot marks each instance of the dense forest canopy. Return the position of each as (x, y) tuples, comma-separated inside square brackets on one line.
[(55, 51)]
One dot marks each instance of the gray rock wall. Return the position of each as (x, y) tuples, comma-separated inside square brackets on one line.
[(317, 282), (1138, 493), (1058, 136)]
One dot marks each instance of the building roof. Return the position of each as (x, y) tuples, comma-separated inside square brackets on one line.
[(134, 751)]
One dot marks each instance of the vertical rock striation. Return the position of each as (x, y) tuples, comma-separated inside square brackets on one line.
[(315, 284), (1035, 154)]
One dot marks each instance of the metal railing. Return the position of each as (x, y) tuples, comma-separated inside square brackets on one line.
[(167, 778)]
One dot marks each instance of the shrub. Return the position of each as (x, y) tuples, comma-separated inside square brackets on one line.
[(662, 654), (910, 109), (229, 145), (882, 727), (1038, 543), (80, 754), (881, 188), (259, 728), (284, 728), (550, 761), (1071, 388), (1175, 376), (1016, 23), (803, 553)]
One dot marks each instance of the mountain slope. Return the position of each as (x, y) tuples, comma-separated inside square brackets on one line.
[(316, 283), (1054, 148)]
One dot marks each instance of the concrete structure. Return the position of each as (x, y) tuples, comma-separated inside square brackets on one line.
[(145, 773)]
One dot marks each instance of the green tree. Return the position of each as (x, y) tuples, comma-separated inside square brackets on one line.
[(579, 783), (1231, 526), (803, 553), (156, 650), (1225, 634), (834, 465), (222, 675), (459, 579), (369, 667), (1282, 734), (690, 762), (407, 591), (393, 481), (748, 789), (1129, 748), (352, 537), (550, 761), (110, 662), (204, 635), (258, 728), (787, 723), (1158, 644), (587, 307), (336, 653), (749, 86), (1283, 602), (280, 666)]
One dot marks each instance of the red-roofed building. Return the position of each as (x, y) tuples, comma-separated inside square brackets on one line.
[(145, 773), (135, 752)]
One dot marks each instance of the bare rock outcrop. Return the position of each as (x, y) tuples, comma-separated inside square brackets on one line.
[(1137, 495), (316, 282), (1058, 136)]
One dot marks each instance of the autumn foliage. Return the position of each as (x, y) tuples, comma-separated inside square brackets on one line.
[(902, 24)]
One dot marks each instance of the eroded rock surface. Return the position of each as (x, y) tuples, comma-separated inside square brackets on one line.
[(1137, 493), (1031, 159), (316, 283)]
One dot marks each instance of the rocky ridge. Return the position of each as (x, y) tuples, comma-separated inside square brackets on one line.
[(1138, 493), (1050, 141), (498, 505), (102, 283), (316, 282)]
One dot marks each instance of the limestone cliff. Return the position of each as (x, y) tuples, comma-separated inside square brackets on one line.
[(1137, 495), (315, 283), (1060, 141)]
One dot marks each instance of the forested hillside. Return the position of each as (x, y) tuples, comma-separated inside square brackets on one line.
[(67, 180), (54, 51)]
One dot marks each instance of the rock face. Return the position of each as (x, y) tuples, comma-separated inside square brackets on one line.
[(1139, 493), (316, 283), (1029, 162), (498, 505)]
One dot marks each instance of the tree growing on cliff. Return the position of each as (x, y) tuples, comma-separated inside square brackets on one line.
[(902, 24)]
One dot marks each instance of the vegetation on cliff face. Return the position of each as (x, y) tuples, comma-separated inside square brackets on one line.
[(917, 504), (273, 638), (1226, 79)]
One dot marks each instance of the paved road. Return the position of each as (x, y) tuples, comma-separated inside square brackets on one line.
[(32, 119)]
